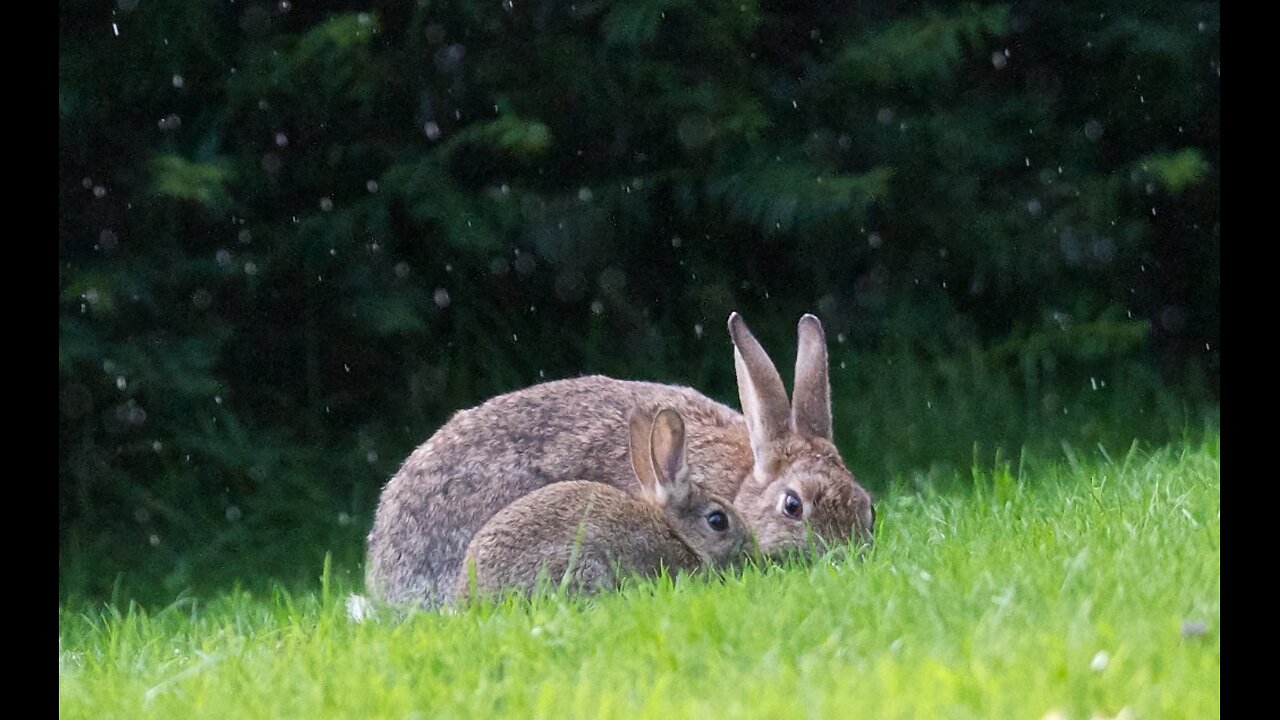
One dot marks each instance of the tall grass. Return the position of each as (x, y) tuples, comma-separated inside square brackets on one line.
[(1090, 585)]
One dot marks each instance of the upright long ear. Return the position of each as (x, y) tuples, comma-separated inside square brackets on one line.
[(764, 399), (811, 401), (669, 459), (641, 457)]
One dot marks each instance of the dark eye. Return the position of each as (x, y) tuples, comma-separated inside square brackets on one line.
[(718, 521), (791, 506)]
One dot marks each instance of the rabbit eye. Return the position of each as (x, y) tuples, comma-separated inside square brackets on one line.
[(791, 505), (718, 521)]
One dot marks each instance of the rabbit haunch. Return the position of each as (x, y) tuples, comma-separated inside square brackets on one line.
[(776, 460), (589, 535)]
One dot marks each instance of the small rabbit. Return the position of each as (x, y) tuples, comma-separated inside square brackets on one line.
[(589, 534), (775, 460)]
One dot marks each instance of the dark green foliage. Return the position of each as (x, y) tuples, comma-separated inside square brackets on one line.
[(294, 238)]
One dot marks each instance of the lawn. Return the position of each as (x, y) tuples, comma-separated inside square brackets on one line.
[(1090, 586)]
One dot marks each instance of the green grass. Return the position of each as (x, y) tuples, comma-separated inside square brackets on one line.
[(994, 597)]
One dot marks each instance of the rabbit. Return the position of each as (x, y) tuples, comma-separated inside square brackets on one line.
[(589, 534), (776, 460)]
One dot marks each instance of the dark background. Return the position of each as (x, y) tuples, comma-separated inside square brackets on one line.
[(294, 240)]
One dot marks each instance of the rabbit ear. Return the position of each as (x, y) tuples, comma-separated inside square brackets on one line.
[(667, 443), (641, 457), (811, 400), (764, 399)]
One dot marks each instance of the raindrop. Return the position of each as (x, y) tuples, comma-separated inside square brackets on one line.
[(697, 330), (1093, 383), (402, 270), (441, 298), (233, 513), (884, 116), (515, 337), (346, 367), (178, 81), (1033, 206), (371, 186), (271, 163), (597, 307), (333, 252), (285, 6), (91, 296), (245, 237), (115, 29), (1099, 662), (584, 194), (170, 122), (612, 279), (371, 457), (841, 337), (201, 298), (108, 240), (999, 60), (525, 263), (121, 383), (86, 183), (1027, 161), (874, 240), (676, 241), (217, 399), (250, 268), (1093, 130), (127, 5), (344, 519), (326, 204), (155, 540), (282, 140), (432, 130), (99, 192)]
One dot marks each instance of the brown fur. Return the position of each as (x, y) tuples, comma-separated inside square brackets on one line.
[(590, 534), (485, 458)]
